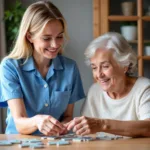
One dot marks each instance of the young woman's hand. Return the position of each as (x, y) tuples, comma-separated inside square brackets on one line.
[(85, 125), (49, 125)]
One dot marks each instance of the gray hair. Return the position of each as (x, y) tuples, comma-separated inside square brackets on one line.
[(122, 51)]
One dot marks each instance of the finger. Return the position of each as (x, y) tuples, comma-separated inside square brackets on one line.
[(56, 122), (44, 132), (86, 132), (67, 124), (81, 131), (64, 132), (52, 127), (74, 122), (77, 127)]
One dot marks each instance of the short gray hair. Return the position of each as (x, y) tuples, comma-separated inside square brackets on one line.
[(122, 51)]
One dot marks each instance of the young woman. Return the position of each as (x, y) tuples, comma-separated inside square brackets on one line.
[(38, 84)]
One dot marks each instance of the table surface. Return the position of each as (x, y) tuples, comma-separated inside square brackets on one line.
[(120, 144)]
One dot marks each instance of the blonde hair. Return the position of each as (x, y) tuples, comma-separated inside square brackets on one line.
[(34, 21), (115, 42)]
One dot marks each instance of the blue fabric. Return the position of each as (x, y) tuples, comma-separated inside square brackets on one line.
[(62, 86)]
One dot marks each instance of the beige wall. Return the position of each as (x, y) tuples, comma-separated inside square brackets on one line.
[(2, 54)]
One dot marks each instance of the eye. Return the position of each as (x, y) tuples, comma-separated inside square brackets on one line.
[(94, 68), (46, 38), (59, 37), (105, 66)]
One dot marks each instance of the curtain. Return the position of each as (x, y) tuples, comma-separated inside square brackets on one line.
[(2, 54)]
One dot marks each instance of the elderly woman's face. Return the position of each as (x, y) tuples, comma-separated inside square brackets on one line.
[(106, 71)]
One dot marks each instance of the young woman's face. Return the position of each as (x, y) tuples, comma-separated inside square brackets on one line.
[(106, 71), (50, 41)]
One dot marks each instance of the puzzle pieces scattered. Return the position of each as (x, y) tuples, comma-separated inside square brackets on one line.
[(59, 140)]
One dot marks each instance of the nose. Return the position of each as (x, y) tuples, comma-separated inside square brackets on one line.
[(53, 43), (100, 73)]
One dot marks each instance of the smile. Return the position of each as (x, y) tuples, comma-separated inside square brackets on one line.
[(51, 50), (104, 81)]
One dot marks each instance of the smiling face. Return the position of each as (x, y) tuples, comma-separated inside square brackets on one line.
[(49, 42), (106, 71)]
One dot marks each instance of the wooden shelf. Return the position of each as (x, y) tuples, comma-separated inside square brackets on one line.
[(146, 18), (136, 42), (145, 57), (123, 18), (102, 20)]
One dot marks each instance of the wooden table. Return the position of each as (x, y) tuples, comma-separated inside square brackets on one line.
[(121, 144)]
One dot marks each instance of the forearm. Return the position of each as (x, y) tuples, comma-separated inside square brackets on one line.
[(126, 128), (26, 125)]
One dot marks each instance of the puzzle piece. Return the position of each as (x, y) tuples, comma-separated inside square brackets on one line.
[(36, 146), (105, 138), (15, 141), (59, 143), (24, 145), (52, 143), (82, 139), (66, 139), (52, 137), (5, 143), (62, 143)]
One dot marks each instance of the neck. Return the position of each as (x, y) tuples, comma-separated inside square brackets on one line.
[(41, 62), (42, 65), (125, 87)]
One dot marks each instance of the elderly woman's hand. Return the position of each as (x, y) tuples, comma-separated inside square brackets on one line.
[(85, 125), (49, 125)]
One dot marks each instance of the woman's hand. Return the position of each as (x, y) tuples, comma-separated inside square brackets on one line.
[(49, 125), (85, 125)]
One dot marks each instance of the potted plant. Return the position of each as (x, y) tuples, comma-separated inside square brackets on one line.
[(129, 30), (12, 18)]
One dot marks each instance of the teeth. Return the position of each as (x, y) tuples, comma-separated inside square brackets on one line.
[(104, 80), (51, 50)]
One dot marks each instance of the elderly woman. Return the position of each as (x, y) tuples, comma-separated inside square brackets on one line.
[(117, 103)]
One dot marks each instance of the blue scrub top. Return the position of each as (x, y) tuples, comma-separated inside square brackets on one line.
[(51, 96)]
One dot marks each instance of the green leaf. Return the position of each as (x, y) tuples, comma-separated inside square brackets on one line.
[(12, 18)]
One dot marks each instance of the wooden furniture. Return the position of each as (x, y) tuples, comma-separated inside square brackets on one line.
[(123, 144), (102, 20)]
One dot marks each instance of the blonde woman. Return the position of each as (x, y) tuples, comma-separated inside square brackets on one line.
[(117, 103), (39, 85)]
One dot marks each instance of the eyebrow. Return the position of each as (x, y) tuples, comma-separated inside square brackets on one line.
[(100, 63), (51, 35)]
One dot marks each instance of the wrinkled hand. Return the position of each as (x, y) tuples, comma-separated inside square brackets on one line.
[(49, 125), (84, 125)]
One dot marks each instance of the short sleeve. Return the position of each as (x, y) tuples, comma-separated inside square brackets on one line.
[(77, 92), (9, 82), (144, 106)]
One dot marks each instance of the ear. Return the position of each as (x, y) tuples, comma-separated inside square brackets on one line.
[(28, 36), (125, 69)]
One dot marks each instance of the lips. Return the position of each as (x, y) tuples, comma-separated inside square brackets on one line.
[(51, 50), (104, 80)]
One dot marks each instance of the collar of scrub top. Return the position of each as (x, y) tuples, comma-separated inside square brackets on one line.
[(29, 65)]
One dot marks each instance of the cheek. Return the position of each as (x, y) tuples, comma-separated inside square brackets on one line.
[(61, 42)]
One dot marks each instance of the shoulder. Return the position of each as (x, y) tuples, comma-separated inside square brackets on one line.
[(143, 82), (66, 61), (9, 66), (141, 85), (10, 62)]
